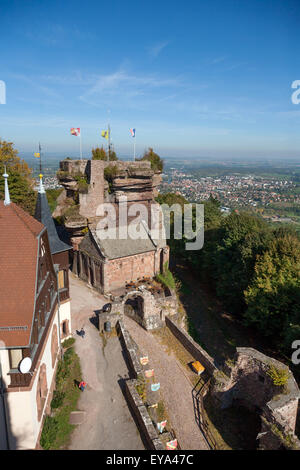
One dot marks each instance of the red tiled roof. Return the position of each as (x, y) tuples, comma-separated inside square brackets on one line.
[(18, 259)]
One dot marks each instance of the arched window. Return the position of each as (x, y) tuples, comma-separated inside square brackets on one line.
[(41, 391), (54, 345)]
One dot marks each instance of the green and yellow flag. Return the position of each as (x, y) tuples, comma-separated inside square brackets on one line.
[(104, 134), (37, 155)]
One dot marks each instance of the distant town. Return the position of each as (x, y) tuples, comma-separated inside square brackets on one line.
[(275, 195)]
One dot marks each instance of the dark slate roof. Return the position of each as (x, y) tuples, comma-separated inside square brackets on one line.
[(119, 248), (43, 214)]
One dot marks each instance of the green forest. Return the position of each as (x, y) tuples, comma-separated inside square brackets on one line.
[(254, 269)]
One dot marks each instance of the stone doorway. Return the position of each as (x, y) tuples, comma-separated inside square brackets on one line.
[(91, 276), (134, 308)]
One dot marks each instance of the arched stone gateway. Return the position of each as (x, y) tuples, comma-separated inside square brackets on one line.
[(134, 308), (142, 306), (147, 309)]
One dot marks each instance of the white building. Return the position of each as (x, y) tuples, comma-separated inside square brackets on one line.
[(34, 317)]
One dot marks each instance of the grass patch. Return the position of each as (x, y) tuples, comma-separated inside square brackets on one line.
[(166, 278), (57, 428), (141, 388), (161, 412)]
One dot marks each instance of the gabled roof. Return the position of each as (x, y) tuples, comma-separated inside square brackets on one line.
[(19, 243), (43, 214), (115, 247)]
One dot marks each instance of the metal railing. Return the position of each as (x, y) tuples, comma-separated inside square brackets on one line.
[(198, 394)]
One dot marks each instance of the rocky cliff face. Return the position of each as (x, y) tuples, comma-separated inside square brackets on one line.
[(89, 183)]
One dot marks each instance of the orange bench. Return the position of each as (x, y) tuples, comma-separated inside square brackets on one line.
[(198, 367)]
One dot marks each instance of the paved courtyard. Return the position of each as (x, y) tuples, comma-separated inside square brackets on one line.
[(108, 423)]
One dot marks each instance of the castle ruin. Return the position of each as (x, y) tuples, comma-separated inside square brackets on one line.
[(109, 264)]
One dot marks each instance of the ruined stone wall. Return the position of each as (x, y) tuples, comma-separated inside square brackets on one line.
[(95, 195), (142, 417), (122, 270), (145, 425), (135, 180), (191, 346), (249, 384)]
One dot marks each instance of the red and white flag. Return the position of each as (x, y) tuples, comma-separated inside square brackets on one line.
[(75, 131)]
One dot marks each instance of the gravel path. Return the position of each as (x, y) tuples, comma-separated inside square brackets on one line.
[(176, 389), (108, 423)]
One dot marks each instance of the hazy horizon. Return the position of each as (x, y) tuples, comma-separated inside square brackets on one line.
[(213, 80)]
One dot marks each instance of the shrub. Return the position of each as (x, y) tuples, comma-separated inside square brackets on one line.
[(61, 175), (57, 400), (57, 428), (49, 432), (83, 186), (68, 342), (279, 376), (68, 356), (72, 211), (110, 172), (99, 154), (157, 163)]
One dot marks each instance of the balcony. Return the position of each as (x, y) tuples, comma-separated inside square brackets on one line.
[(19, 380)]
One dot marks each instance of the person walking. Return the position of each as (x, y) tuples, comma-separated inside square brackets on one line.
[(82, 385)]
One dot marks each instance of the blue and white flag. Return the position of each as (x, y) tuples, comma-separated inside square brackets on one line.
[(132, 132)]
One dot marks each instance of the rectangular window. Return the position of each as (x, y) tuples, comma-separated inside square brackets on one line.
[(64, 328), (15, 357), (61, 279), (52, 293)]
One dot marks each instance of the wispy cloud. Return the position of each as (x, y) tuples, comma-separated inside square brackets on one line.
[(156, 49), (217, 60), (123, 85), (36, 85)]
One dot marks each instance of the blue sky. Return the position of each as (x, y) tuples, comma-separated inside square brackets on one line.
[(198, 78)]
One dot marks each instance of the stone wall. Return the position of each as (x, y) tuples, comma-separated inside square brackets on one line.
[(142, 417), (191, 346), (144, 422), (249, 384), (129, 346), (153, 309), (136, 180), (130, 268)]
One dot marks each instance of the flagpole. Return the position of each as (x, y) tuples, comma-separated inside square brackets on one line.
[(80, 145), (40, 151), (108, 156), (134, 149)]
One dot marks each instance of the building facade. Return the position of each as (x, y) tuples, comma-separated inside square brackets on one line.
[(34, 319)]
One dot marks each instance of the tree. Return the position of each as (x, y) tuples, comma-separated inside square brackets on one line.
[(157, 163), (241, 238), (274, 294), (20, 181), (112, 156), (99, 154)]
